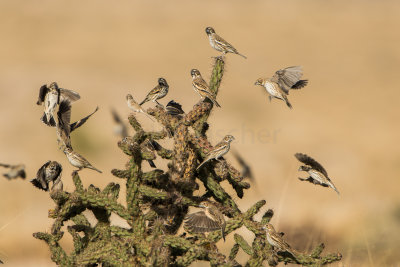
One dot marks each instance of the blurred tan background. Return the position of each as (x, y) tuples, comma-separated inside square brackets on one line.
[(347, 117)]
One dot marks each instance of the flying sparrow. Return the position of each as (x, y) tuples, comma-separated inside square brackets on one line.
[(64, 128), (49, 172), (51, 96), (133, 105), (220, 44), (318, 174), (210, 219), (15, 171), (157, 92), (219, 150), (77, 160), (201, 87), (283, 80), (274, 90)]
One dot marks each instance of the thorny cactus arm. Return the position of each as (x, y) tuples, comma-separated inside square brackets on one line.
[(157, 202)]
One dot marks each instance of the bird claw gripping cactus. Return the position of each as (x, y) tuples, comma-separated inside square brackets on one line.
[(157, 202)]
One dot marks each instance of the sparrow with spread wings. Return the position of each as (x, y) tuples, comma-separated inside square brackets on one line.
[(51, 96), (282, 82), (207, 220), (318, 174)]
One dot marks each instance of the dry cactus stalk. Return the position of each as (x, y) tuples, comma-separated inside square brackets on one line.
[(158, 200)]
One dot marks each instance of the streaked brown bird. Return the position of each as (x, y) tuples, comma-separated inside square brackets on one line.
[(318, 174), (219, 150), (51, 96), (207, 220), (275, 239), (77, 160), (135, 107), (64, 128), (49, 172), (201, 87), (120, 128), (14, 171), (174, 108), (283, 80), (220, 44), (157, 92)]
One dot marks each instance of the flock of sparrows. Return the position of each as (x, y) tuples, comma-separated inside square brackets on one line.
[(210, 218), (284, 80)]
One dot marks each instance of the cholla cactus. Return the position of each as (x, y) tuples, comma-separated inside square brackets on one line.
[(158, 201)]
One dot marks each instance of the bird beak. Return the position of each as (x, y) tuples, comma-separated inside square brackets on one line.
[(201, 206), (300, 169), (257, 83)]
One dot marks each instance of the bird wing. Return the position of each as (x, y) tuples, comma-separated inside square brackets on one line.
[(199, 222), (22, 173), (69, 94), (174, 108), (64, 116), (311, 162), (5, 165), (79, 123), (286, 78), (219, 149), (42, 94), (221, 42), (40, 180), (59, 171)]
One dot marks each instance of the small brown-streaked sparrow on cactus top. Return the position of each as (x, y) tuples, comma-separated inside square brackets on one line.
[(220, 44)]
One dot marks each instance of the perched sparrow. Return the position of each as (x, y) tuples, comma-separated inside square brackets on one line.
[(49, 172), (133, 105), (219, 150), (173, 108), (246, 170), (276, 240), (15, 171), (201, 87), (77, 160), (157, 92), (220, 44), (318, 174), (210, 219), (51, 96), (120, 127), (64, 128)]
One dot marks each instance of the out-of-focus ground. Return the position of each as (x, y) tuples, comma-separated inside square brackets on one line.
[(347, 118)]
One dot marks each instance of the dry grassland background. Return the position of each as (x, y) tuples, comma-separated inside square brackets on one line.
[(347, 117)]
